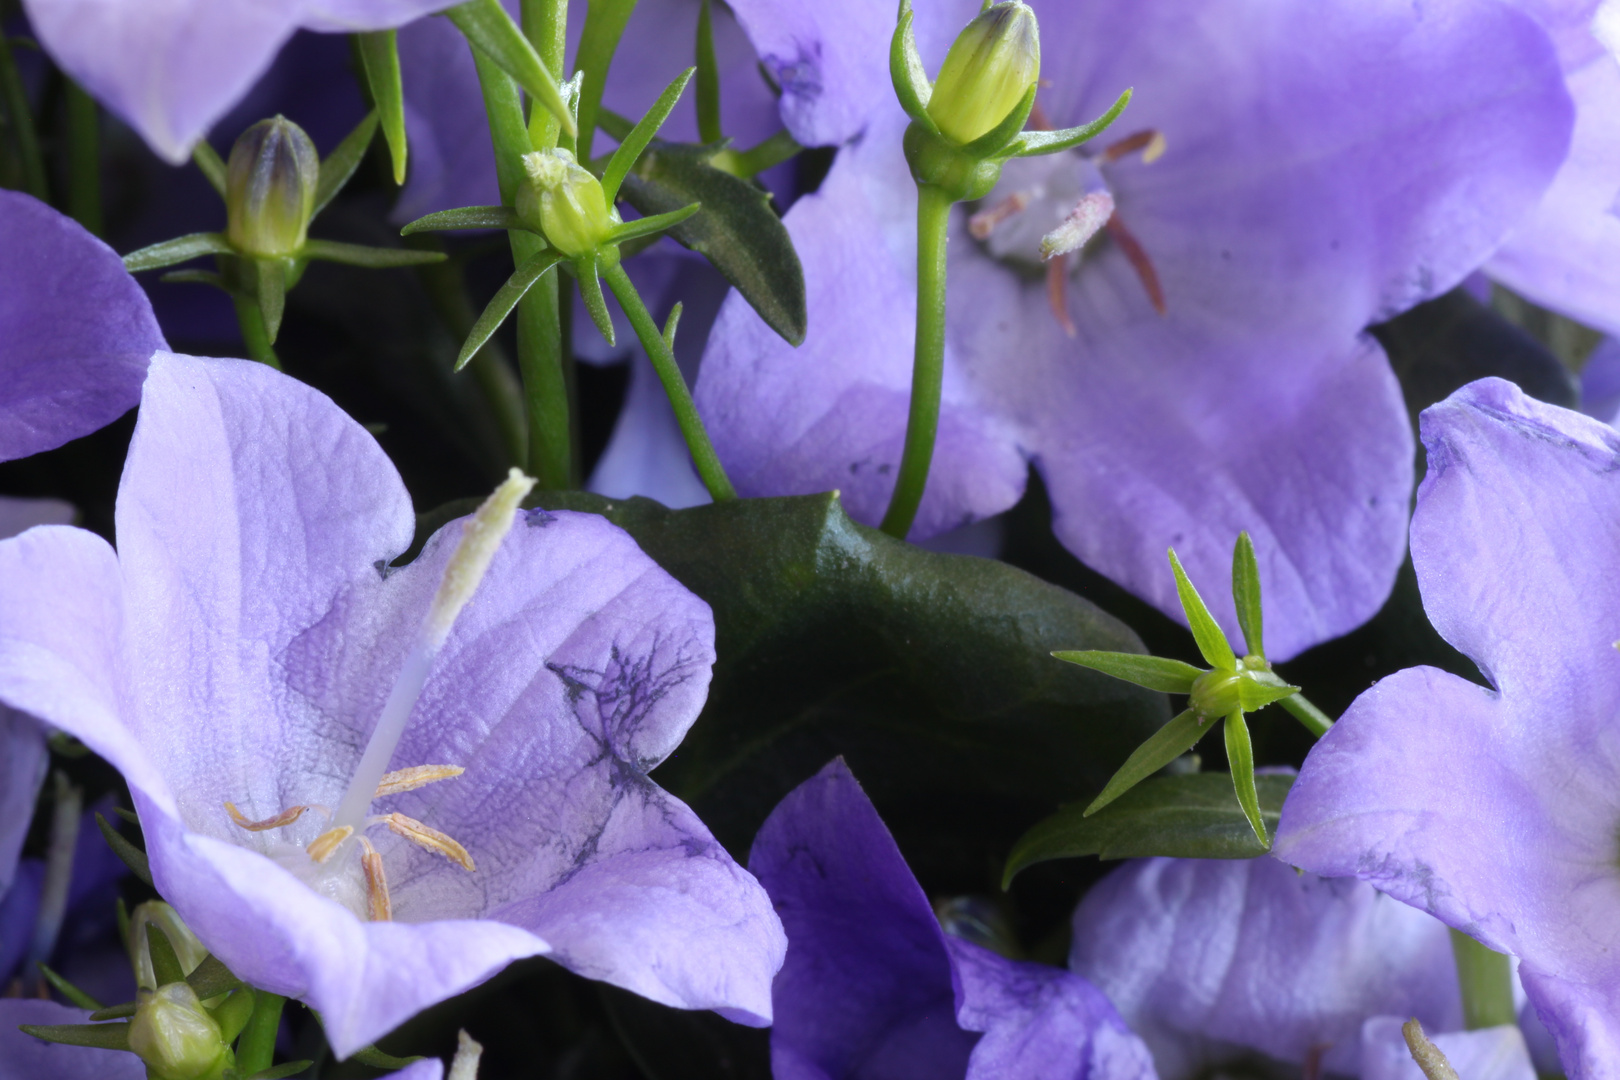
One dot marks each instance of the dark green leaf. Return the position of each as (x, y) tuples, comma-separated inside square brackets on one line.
[(624, 158), (114, 1012), (1153, 672), (277, 1072), (708, 78), (646, 226), (1246, 594), (370, 1055), (1035, 143), (211, 165), (468, 217), (102, 1036), (486, 24), (340, 164), (377, 258), (212, 978), (68, 990), (737, 231), (133, 857), (604, 25), (521, 281), (906, 70), (1206, 632), (165, 962), (379, 52), (1240, 757), (1168, 743), (1188, 817), (179, 250)]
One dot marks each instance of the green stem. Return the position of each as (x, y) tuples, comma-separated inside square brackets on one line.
[(256, 1049), (545, 24), (1315, 720), (707, 461), (253, 332), (15, 98), (928, 363), (1486, 978), (84, 158)]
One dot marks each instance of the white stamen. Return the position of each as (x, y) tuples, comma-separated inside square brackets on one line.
[(464, 1066), (1083, 222)]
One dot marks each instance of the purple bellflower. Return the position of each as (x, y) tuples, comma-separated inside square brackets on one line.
[(1494, 808), (873, 989), (1201, 368), (76, 331), (1210, 959), (1496, 1053), (171, 68), (252, 664)]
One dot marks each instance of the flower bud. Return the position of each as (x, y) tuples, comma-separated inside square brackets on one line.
[(175, 1036), (270, 185), (565, 202), (991, 66)]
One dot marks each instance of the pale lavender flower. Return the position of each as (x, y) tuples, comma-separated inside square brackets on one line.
[(1323, 167), (1495, 808), (873, 989), (240, 647)]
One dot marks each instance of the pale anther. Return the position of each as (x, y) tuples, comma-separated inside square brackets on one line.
[(416, 776), (281, 820), (1057, 296), (982, 224), (430, 838), (379, 908), (1429, 1057), (321, 848), (1089, 215)]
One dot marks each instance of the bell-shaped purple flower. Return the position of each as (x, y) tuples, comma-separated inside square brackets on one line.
[(1494, 808), (1284, 176), (873, 989), (1209, 960), (76, 331), (244, 642)]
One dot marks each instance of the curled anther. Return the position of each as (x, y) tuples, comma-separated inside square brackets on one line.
[(379, 907), (416, 776), (279, 821), (982, 224), (1150, 142), (428, 837), (1057, 294), (321, 848)]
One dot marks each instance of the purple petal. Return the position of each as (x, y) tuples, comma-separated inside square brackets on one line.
[(1600, 382), (22, 770), (76, 331), (1208, 958), (23, 1057), (1496, 1053)]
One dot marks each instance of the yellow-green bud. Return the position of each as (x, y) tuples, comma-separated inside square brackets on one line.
[(565, 202), (175, 1036), (270, 184), (991, 66)]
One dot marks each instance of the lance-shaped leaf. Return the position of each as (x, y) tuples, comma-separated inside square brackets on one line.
[(340, 164), (505, 299), (1212, 644), (486, 24), (210, 164), (1260, 688), (647, 226), (1240, 759), (364, 255), (195, 277), (270, 289), (379, 52), (469, 217), (1154, 672), (605, 21), (624, 158), (68, 990), (999, 136), (1166, 744), (210, 979), (101, 1036), (1246, 593), (906, 70), (1036, 143), (1196, 816), (590, 293), (166, 965), (132, 856), (179, 250)]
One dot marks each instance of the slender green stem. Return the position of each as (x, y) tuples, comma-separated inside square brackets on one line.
[(707, 461), (1315, 720), (256, 1049), (253, 332), (545, 24), (928, 362), (23, 132), (84, 158), (604, 25), (1486, 978), (755, 160)]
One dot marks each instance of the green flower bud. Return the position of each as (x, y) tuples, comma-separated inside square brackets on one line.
[(1252, 686), (991, 66), (565, 202), (175, 1036), (270, 185)]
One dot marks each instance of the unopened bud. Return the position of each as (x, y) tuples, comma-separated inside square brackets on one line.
[(565, 202), (1252, 686), (991, 66), (174, 1035), (270, 185)]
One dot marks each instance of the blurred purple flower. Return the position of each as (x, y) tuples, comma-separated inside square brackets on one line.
[(171, 68), (1210, 959), (76, 331), (873, 989), (240, 646), (1494, 809), (1600, 382), (1323, 167)]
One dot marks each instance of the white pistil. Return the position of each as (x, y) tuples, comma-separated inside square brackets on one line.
[(1087, 218)]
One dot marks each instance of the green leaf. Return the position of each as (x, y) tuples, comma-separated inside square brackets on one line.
[(377, 258), (1036, 143), (370, 1055), (1168, 743), (930, 673), (469, 217), (737, 232), (1246, 594), (486, 24), (68, 990), (1153, 672), (1205, 631), (270, 289), (340, 164), (906, 70), (605, 21), (1196, 816), (212, 978), (590, 294), (708, 78), (522, 279), (1240, 758), (624, 158), (998, 137), (165, 962), (102, 1036), (1261, 688), (195, 277), (647, 226), (211, 165), (179, 250), (133, 857), (277, 1072), (379, 53)]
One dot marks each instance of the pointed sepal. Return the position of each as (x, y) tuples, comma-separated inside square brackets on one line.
[(647, 226), (132, 856), (344, 159), (1153, 672), (624, 158), (100, 1036), (470, 217), (505, 299), (590, 292), (1036, 143), (180, 249), (379, 53), (491, 30), (1240, 756), (1246, 594), (377, 258), (1212, 644), (270, 290), (1163, 747), (911, 83), (68, 990)]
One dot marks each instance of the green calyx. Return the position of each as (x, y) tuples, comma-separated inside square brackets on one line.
[(936, 160), (270, 188), (992, 65), (565, 203)]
